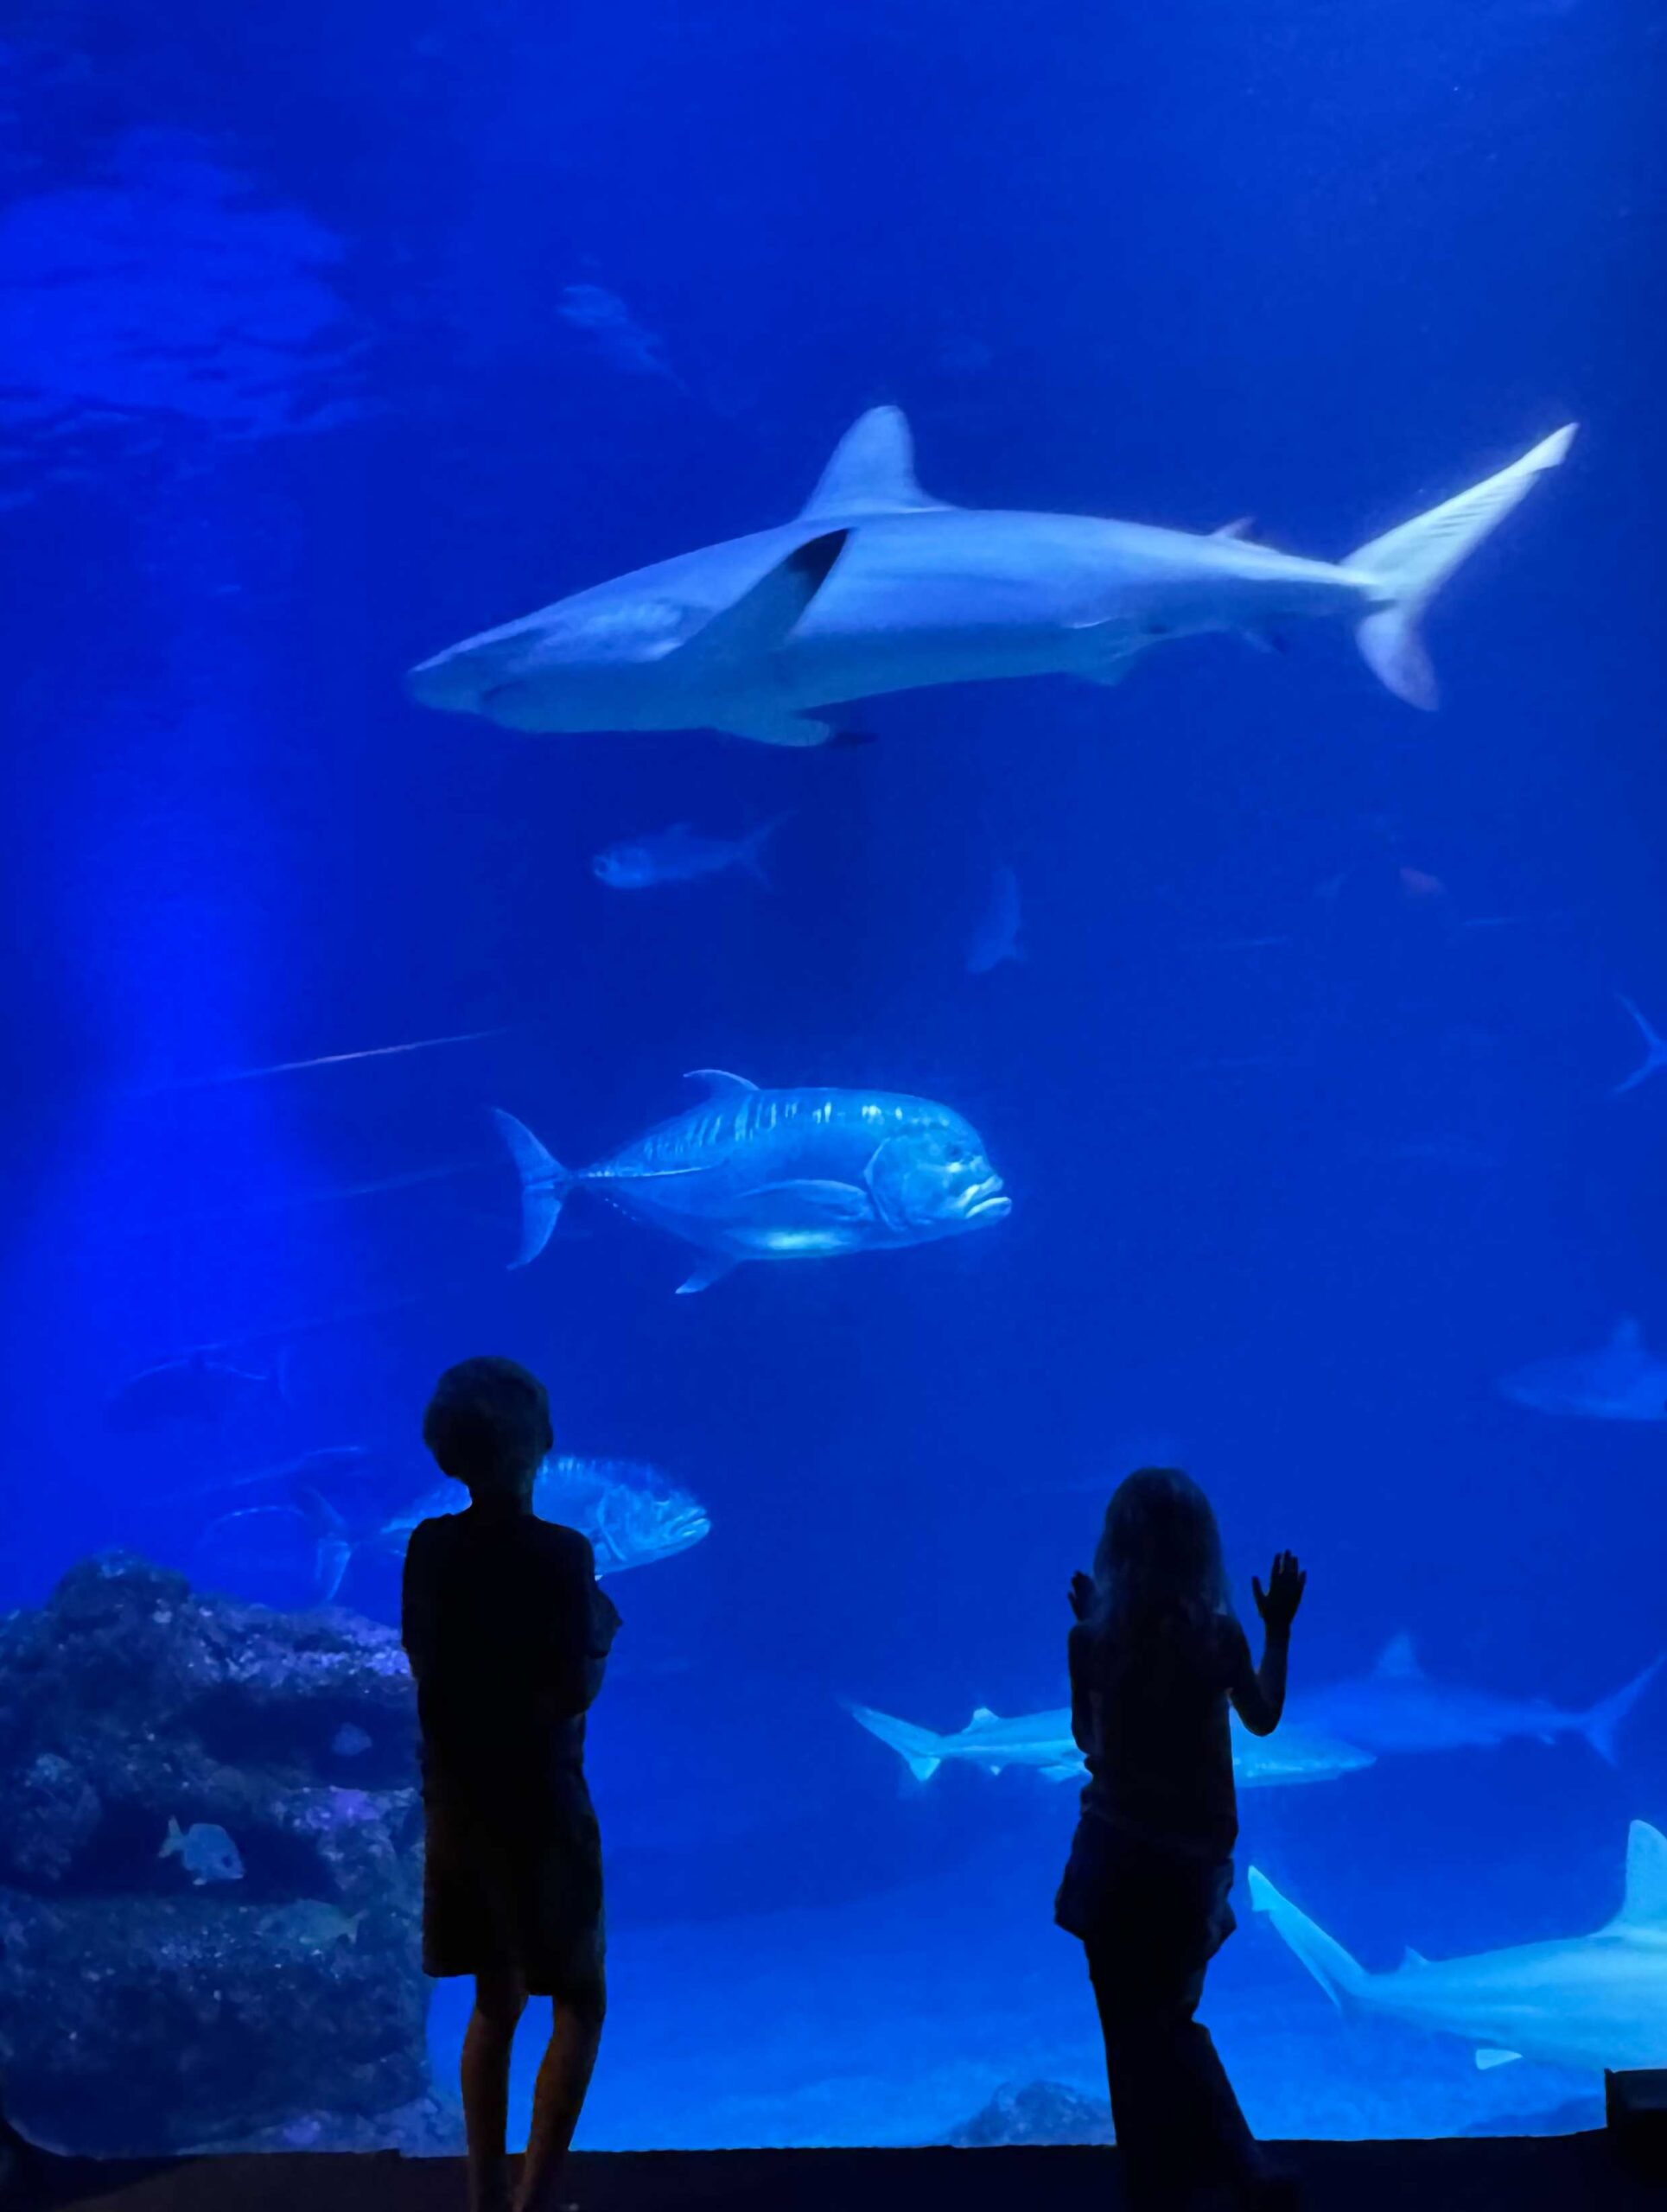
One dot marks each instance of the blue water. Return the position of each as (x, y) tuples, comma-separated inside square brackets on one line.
[(1301, 1091)]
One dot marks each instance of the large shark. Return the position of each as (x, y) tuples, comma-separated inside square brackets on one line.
[(1591, 2001), (1623, 1380), (752, 1174), (875, 588), (1398, 1707), (1044, 1740)]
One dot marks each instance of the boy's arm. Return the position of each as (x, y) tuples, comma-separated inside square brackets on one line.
[(583, 1621), (417, 1608)]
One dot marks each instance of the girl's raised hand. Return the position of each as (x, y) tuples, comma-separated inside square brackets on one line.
[(1277, 1604), (1082, 1595)]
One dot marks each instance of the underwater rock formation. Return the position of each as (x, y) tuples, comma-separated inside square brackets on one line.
[(1036, 2111), (257, 1985)]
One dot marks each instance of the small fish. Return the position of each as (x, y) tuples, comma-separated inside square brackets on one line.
[(1655, 1050), (615, 332), (752, 1174), (350, 1741), (1621, 1381), (996, 936), (682, 854), (196, 1387), (1420, 888), (206, 1852)]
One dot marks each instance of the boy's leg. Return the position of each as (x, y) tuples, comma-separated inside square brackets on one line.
[(558, 2097), (499, 2001)]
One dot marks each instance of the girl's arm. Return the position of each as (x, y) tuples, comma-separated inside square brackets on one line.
[(1259, 1694), (1082, 1706)]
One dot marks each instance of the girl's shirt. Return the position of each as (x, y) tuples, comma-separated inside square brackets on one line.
[(1150, 1713)]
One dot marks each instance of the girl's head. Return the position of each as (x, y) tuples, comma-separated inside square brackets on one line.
[(1159, 1553)]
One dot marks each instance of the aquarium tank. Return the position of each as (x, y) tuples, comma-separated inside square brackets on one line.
[(1015, 590)]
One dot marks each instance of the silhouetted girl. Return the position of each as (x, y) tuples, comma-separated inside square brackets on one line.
[(1156, 1655)]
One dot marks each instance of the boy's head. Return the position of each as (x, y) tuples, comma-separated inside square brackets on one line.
[(487, 1425)]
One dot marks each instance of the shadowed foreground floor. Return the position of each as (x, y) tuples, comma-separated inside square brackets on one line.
[(1543, 2174)]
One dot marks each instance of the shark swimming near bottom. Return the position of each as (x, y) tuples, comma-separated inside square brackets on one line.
[(1044, 1740), (1588, 2001), (876, 587)]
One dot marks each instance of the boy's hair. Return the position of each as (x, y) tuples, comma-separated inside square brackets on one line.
[(487, 1425), (1160, 1554)]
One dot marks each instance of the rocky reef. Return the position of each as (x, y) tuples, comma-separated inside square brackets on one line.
[(1036, 2111), (258, 1984)]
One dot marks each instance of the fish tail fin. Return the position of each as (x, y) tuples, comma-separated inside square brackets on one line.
[(919, 1749), (544, 1185), (1411, 563), (1655, 1048), (752, 848), (1602, 1725), (1340, 1976), (174, 1841)]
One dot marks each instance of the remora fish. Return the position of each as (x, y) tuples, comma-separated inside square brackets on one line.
[(1593, 2001), (1399, 1709), (875, 588), (1622, 1380), (753, 1174), (681, 855), (1044, 1740), (631, 1513)]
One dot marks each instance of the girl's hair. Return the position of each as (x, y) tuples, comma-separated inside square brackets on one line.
[(1159, 1558)]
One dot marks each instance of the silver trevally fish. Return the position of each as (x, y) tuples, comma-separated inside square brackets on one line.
[(996, 936), (205, 1849), (1590, 2001), (1044, 1740), (875, 588), (682, 854), (1397, 1707), (631, 1513), (752, 1174), (1621, 1381)]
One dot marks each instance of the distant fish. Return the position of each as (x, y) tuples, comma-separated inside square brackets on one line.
[(631, 1513), (1397, 1707), (319, 1926), (1420, 888), (753, 1174), (1622, 1380), (1655, 1050), (682, 854), (996, 936), (206, 1852), (1044, 1740), (615, 333), (196, 1387), (1594, 2001), (350, 1741)]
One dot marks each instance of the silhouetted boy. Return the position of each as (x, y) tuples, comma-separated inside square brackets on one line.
[(507, 1635)]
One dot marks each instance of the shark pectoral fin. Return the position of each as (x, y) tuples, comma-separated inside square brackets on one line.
[(1488, 2057), (772, 727), (872, 472), (709, 1271), (756, 623)]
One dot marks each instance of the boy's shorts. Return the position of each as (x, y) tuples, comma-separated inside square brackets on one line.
[(518, 1896)]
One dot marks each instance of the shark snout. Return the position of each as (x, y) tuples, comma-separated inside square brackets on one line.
[(452, 681)]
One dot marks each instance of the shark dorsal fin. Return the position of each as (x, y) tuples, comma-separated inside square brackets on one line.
[(1410, 1958), (980, 1717), (1398, 1660), (1644, 1909), (872, 472), (1240, 526), (1629, 1335), (720, 1084)]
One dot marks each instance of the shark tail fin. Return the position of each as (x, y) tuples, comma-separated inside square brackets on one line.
[(1411, 563), (919, 1749), (544, 1184), (1655, 1048), (1340, 1976), (1602, 1724)]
